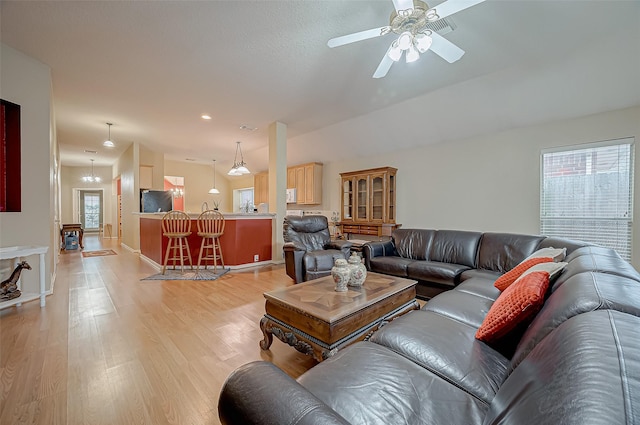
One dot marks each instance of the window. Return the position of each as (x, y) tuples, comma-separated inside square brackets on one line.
[(587, 194), (243, 200)]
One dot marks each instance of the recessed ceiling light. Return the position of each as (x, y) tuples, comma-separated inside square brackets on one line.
[(206, 117), (246, 127)]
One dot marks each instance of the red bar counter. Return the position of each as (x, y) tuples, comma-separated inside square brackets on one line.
[(245, 236)]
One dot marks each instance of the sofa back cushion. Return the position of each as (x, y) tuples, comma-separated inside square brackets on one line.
[(581, 293), (584, 372), (500, 252), (555, 242), (413, 243), (309, 231), (455, 247), (596, 263)]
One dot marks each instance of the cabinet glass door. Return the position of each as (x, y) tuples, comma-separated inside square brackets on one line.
[(362, 193), (377, 197), (347, 199)]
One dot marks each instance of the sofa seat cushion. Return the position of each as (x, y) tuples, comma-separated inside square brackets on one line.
[(446, 348), (369, 384), (433, 271), (396, 266), (581, 293), (480, 286), (584, 372), (485, 274), (321, 260), (462, 306)]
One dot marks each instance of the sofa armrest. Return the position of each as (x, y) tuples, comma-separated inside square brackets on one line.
[(377, 249), (260, 393), (293, 246), (341, 245)]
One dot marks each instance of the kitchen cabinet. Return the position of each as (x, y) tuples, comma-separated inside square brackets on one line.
[(305, 178), (261, 188), (368, 201)]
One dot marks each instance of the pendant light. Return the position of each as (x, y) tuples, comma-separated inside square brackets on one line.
[(92, 178), (239, 168), (213, 190), (108, 143)]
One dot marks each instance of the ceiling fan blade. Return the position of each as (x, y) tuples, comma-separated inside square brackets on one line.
[(450, 7), (357, 36), (402, 4), (385, 65), (444, 48)]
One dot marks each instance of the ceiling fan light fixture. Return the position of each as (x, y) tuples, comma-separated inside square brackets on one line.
[(395, 53), (412, 54), (405, 40), (423, 41)]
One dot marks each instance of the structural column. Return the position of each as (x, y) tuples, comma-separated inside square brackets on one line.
[(277, 184)]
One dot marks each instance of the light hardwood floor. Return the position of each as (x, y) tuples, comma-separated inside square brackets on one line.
[(109, 348)]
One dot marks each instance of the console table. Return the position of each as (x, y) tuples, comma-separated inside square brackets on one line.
[(25, 251), (72, 228)]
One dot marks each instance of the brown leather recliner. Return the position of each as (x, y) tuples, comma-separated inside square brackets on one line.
[(309, 252)]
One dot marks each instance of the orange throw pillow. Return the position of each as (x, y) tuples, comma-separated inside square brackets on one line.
[(509, 277), (518, 303)]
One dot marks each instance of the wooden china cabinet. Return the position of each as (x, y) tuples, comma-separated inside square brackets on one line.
[(369, 202)]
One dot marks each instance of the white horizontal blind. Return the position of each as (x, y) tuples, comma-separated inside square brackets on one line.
[(587, 194)]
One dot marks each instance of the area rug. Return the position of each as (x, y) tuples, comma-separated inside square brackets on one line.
[(99, 253), (188, 275)]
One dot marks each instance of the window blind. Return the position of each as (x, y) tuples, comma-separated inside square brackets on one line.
[(587, 194)]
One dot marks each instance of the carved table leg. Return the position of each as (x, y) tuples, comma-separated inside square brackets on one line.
[(266, 331)]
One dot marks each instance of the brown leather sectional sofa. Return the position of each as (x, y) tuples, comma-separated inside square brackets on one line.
[(577, 362), (441, 259)]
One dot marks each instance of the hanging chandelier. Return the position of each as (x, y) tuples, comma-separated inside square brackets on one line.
[(108, 143), (92, 178), (239, 168), (213, 190)]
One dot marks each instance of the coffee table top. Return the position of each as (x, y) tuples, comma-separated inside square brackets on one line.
[(318, 298)]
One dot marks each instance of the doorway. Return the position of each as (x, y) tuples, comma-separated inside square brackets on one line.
[(89, 209)]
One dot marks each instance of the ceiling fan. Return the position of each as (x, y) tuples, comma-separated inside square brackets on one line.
[(409, 21)]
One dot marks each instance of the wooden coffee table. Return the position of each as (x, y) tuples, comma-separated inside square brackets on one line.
[(318, 321)]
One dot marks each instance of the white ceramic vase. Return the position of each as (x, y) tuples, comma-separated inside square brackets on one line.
[(341, 274), (358, 271)]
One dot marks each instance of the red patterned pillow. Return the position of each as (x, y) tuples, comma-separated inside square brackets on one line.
[(518, 303), (509, 277)]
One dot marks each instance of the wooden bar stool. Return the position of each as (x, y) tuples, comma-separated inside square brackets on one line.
[(210, 228), (176, 225)]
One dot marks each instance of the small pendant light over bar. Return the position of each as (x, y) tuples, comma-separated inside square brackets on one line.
[(108, 143), (213, 190), (239, 168)]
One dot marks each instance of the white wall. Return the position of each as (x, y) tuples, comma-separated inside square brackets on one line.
[(486, 183), (27, 82), (126, 168), (71, 178)]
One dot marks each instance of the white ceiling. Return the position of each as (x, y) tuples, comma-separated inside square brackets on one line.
[(153, 67)]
